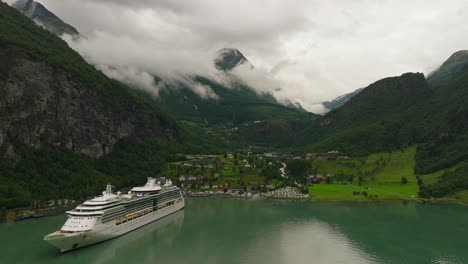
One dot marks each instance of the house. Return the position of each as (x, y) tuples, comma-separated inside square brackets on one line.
[(247, 165), (215, 186), (270, 154), (344, 158), (320, 178), (181, 178), (191, 178)]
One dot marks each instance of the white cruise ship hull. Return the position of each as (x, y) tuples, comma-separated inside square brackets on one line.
[(102, 232)]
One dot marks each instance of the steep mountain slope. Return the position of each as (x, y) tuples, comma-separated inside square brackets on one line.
[(444, 119), (340, 100), (65, 128), (374, 120), (52, 97), (451, 66), (43, 17), (234, 105), (398, 112)]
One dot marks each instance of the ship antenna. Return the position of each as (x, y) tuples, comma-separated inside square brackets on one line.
[(109, 188)]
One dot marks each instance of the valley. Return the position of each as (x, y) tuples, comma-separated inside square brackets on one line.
[(233, 132), (65, 124)]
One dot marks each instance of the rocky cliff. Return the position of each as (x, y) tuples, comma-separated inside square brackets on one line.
[(44, 106)]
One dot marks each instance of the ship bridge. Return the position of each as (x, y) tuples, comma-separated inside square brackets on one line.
[(152, 186)]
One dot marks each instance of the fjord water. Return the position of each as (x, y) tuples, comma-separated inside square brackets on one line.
[(236, 231)]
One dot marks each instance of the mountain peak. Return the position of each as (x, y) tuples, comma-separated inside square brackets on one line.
[(229, 58), (340, 100), (452, 65), (43, 17)]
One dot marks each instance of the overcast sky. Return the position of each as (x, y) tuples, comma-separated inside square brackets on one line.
[(312, 50)]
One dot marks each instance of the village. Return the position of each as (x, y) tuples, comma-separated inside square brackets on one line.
[(245, 175)]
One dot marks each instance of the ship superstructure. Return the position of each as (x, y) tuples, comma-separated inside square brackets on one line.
[(111, 215)]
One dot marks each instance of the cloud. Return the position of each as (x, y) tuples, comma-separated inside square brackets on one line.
[(308, 51)]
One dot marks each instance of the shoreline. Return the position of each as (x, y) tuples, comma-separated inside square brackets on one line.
[(62, 210), (443, 202)]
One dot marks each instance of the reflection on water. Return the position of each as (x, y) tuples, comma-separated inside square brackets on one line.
[(162, 232), (233, 231), (306, 241)]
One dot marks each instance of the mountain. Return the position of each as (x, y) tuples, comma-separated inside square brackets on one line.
[(65, 128), (373, 120), (340, 100), (235, 104), (397, 112), (52, 97), (228, 58), (43, 17), (451, 66)]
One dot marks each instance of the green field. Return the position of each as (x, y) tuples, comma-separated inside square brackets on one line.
[(229, 172), (336, 192), (397, 165), (381, 172), (432, 178)]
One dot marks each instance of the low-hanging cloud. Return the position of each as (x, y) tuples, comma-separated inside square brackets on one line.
[(307, 51)]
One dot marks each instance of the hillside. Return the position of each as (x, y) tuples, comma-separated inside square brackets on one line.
[(397, 112), (235, 105), (451, 66), (43, 17), (65, 128), (374, 120), (52, 97)]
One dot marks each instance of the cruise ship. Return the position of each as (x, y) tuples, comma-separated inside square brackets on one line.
[(111, 215)]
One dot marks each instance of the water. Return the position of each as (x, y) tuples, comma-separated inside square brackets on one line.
[(236, 231)]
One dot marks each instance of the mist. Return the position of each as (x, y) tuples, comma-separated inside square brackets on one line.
[(303, 51)]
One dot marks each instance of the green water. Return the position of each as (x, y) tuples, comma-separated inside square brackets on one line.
[(233, 231)]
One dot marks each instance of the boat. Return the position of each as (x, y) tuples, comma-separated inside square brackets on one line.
[(114, 214)]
